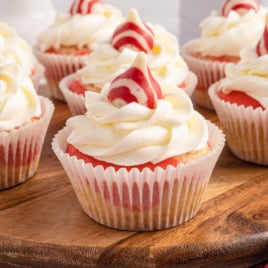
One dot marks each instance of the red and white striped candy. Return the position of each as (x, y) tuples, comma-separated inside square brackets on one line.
[(262, 45), (133, 33), (239, 6), (83, 6), (135, 85)]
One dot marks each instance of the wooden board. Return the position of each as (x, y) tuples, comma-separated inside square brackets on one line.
[(43, 225)]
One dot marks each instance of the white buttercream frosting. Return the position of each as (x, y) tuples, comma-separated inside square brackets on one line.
[(249, 75), (80, 30), (164, 61), (13, 49), (226, 36), (134, 134), (19, 102)]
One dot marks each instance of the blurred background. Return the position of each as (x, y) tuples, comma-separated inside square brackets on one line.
[(181, 17)]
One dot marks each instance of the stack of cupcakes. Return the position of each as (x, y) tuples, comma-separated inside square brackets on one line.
[(239, 24), (139, 159), (63, 46), (115, 55)]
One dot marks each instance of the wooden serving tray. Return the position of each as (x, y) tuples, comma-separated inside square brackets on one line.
[(43, 225)]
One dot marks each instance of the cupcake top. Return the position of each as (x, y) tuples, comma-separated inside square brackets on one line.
[(14, 49), (86, 22), (115, 55), (239, 24), (250, 75), (19, 103), (130, 122)]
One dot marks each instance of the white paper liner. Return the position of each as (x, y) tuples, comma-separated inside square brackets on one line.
[(208, 72), (57, 67), (75, 102), (245, 128), (146, 200), (39, 71), (18, 165)]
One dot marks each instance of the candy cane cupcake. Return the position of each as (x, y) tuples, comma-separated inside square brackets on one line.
[(24, 119), (241, 103), (223, 35), (138, 159), (114, 56), (63, 46)]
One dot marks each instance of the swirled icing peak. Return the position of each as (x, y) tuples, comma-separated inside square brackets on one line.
[(239, 6), (83, 6), (134, 33), (19, 102), (136, 84), (262, 45)]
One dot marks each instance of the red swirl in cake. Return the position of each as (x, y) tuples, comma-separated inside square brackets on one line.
[(239, 6), (134, 33), (83, 6), (135, 85)]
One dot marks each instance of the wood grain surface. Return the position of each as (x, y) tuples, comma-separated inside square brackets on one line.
[(43, 225)]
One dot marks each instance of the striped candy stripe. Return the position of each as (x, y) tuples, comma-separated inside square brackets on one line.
[(262, 45), (135, 85), (83, 6), (134, 33), (241, 7)]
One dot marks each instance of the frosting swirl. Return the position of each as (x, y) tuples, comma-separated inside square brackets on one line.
[(226, 36), (14, 49), (81, 30), (249, 75), (135, 134), (130, 122), (19, 102), (163, 59)]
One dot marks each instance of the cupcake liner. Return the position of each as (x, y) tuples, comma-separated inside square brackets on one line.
[(57, 67), (245, 128), (20, 149), (208, 72), (75, 102), (36, 78), (140, 200)]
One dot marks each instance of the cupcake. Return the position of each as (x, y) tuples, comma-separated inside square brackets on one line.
[(223, 35), (63, 46), (137, 159), (115, 55), (241, 103), (14, 49), (24, 119)]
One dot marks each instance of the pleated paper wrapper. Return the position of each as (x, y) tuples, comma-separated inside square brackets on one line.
[(56, 68), (20, 149), (245, 128), (140, 200)]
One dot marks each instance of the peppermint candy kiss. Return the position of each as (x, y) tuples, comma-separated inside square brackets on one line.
[(133, 33), (239, 6), (262, 45), (83, 6), (135, 85)]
